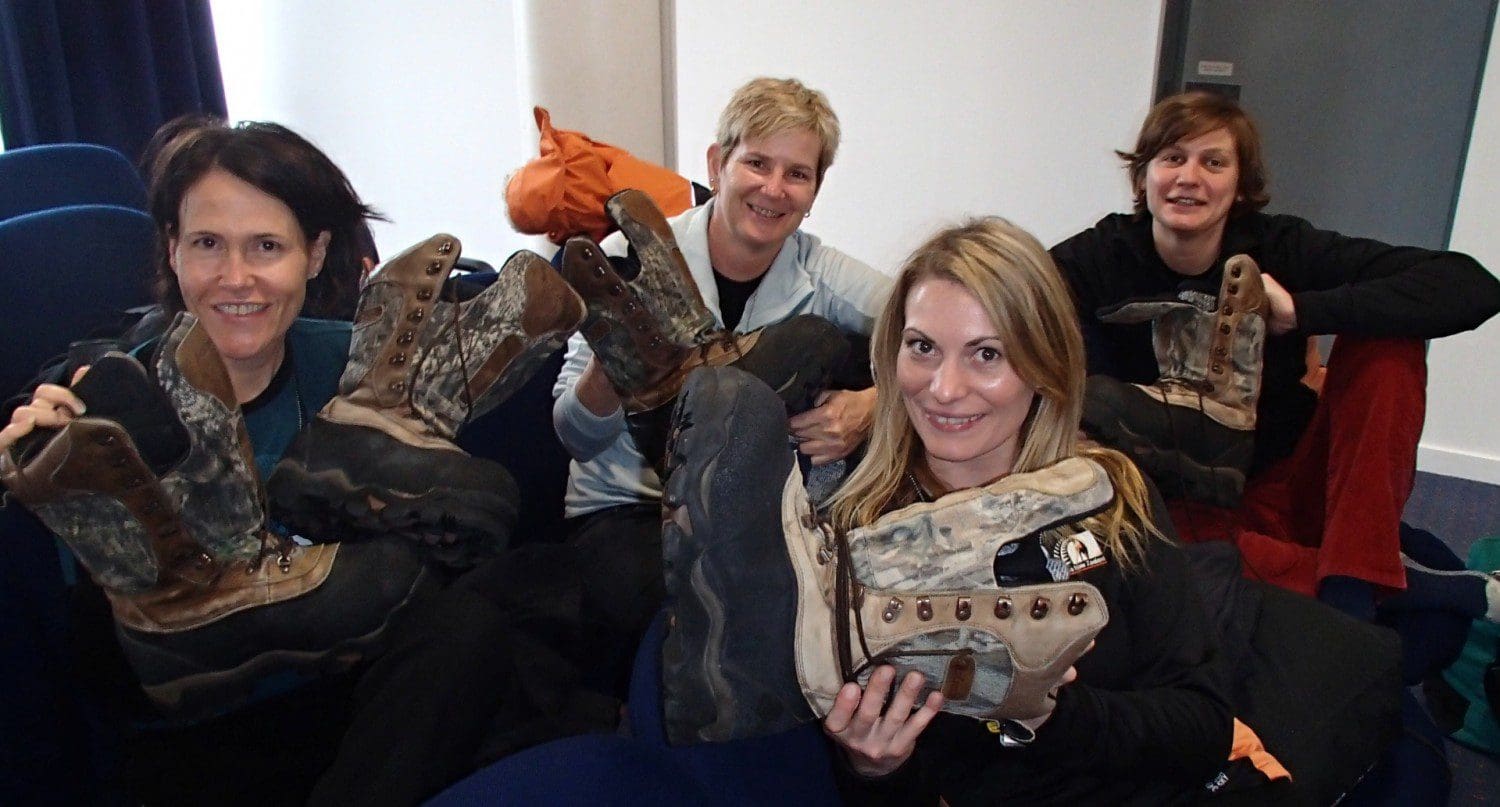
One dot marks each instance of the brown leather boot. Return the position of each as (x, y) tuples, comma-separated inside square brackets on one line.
[(640, 346), (379, 459), (207, 601)]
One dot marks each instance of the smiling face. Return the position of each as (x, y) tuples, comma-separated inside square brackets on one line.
[(242, 264), (965, 400), (765, 187), (1191, 184)]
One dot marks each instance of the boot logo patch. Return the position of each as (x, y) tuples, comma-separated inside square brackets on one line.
[(1079, 552)]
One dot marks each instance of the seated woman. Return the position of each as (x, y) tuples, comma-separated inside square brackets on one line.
[(754, 268), (986, 381), (1329, 475), (261, 652)]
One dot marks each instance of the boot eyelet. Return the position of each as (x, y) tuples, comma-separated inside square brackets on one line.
[(398, 386), (1224, 328), (1077, 603), (1234, 288), (105, 439), (417, 315), (1235, 272), (405, 338), (617, 289), (424, 294), (1228, 310), (924, 608), (434, 267), (599, 272), (1221, 351), (1039, 607), (631, 307), (284, 562), (892, 610), (445, 248), (1217, 368), (963, 609), (643, 327), (398, 359), (1003, 608)]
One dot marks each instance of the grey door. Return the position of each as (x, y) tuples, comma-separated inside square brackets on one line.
[(1365, 106)]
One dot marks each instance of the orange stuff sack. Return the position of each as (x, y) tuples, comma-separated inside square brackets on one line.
[(561, 193)]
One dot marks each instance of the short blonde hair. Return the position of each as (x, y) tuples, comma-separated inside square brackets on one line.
[(1016, 282), (770, 106)]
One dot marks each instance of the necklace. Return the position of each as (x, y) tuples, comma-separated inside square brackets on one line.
[(922, 494)]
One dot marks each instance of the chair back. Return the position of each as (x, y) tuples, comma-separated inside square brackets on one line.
[(63, 273), (60, 174)]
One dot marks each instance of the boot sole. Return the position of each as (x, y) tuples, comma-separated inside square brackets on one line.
[(201, 695), (338, 481), (1218, 480), (731, 583)]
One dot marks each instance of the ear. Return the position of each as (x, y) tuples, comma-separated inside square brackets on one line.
[(715, 163), (316, 253), (172, 252)]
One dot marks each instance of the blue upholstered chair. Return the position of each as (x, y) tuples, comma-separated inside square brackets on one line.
[(62, 174), (63, 273)]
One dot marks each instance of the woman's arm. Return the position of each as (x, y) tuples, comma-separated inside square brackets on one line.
[(1364, 287), (1165, 712), (583, 431)]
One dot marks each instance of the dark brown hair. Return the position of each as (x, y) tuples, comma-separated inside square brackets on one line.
[(283, 164), (1191, 114)]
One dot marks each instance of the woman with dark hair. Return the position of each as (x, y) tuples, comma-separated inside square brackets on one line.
[(282, 164), (1328, 475), (257, 648)]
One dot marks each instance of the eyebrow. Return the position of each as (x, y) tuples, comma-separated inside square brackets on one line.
[(971, 343)]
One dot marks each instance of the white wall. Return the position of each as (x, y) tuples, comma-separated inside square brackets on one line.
[(1462, 437), (417, 102), (948, 108)]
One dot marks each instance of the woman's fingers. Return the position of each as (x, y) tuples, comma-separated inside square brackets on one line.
[(57, 396)]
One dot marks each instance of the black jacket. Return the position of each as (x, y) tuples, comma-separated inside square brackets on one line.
[(1340, 285)]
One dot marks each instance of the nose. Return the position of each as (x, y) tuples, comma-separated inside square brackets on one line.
[(234, 272), (1188, 173), (948, 383), (775, 184)]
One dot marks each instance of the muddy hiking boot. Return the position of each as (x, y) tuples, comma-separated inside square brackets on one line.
[(772, 610), (380, 459), (154, 490), (649, 327), (1193, 430)]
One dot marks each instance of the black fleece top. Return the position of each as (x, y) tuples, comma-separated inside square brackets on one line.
[(1340, 285), (1148, 721)]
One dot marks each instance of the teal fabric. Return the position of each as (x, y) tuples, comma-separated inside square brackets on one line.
[(318, 349), (1466, 675)]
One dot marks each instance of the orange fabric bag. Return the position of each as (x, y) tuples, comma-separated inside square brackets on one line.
[(561, 193)]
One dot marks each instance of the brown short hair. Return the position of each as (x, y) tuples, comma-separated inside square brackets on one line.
[(770, 106), (1188, 115)]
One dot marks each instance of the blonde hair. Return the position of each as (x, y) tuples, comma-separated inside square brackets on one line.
[(770, 106), (1014, 279)]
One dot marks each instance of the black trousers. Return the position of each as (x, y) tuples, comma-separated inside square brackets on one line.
[(528, 647)]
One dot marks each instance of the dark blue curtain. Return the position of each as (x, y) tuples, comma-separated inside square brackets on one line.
[(104, 71)]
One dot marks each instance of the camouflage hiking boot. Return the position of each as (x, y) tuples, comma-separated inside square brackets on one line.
[(727, 665), (1193, 431), (379, 459), (647, 367), (769, 618), (658, 269), (207, 603), (920, 589)]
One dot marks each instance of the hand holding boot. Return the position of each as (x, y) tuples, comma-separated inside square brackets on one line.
[(876, 738)]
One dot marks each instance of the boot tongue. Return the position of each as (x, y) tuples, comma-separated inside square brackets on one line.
[(117, 388)]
